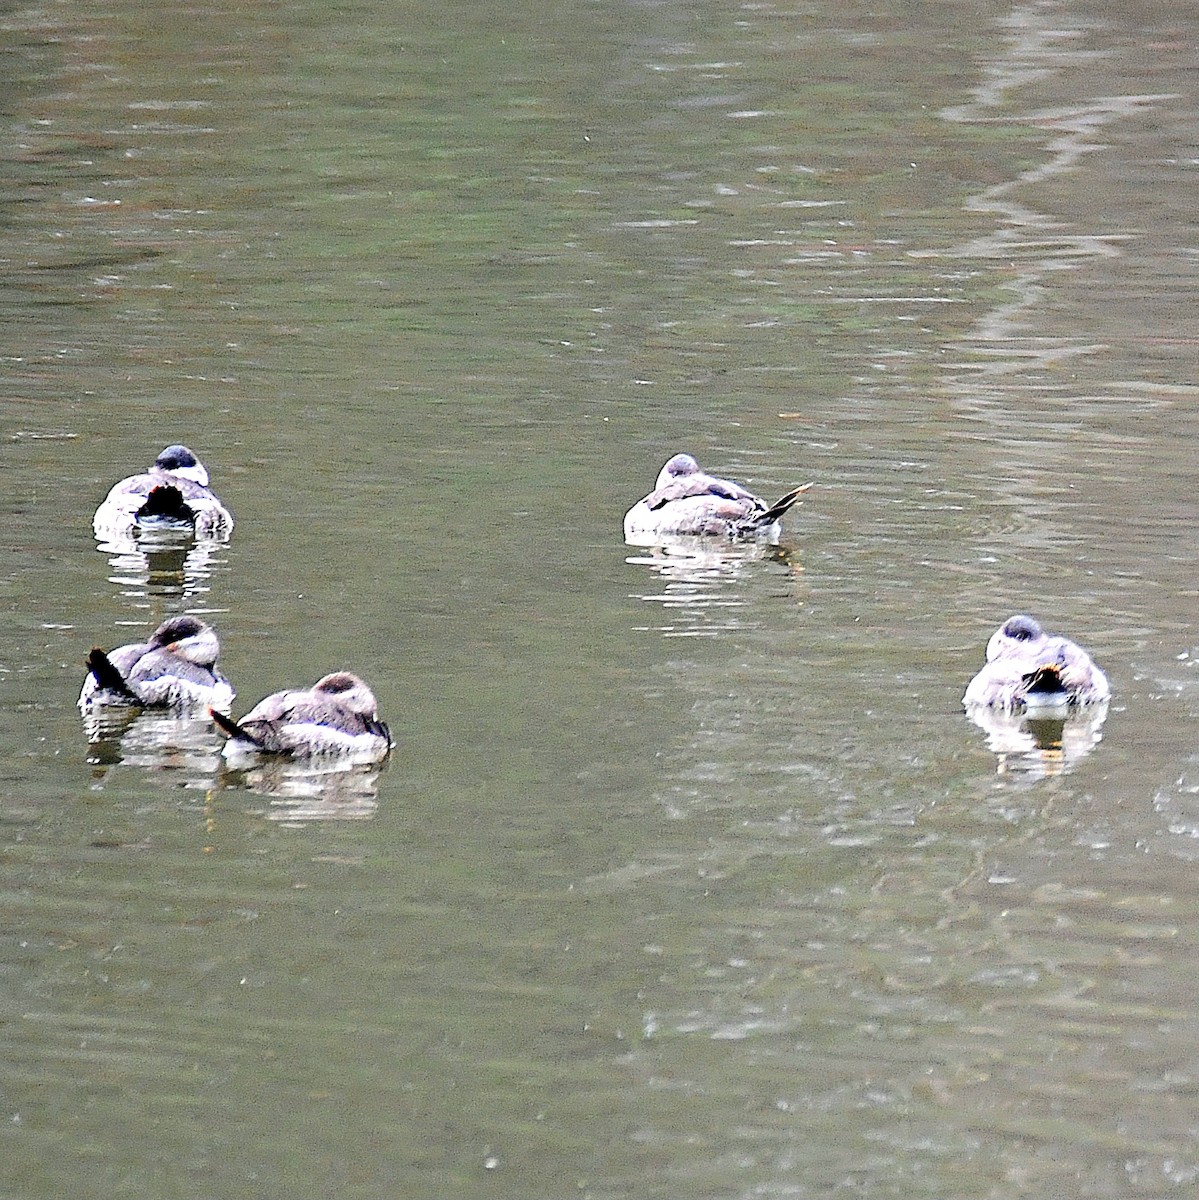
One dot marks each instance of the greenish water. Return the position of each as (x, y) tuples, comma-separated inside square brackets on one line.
[(685, 878)]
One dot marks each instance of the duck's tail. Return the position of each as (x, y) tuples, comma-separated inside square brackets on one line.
[(231, 729), (108, 678), (165, 503), (1045, 680), (780, 506)]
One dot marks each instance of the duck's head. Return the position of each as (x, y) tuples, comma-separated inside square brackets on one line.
[(188, 637), (179, 460), (349, 691), (680, 464), (1017, 635)]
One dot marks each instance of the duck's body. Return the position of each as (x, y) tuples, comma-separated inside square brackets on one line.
[(172, 495), (176, 668), (1030, 669), (688, 502), (338, 715)]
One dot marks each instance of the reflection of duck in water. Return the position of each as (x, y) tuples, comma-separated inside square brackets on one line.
[(326, 788), (688, 502), (338, 715), (1040, 742), (702, 585), (1032, 670), (176, 668), (172, 495), (166, 564), (181, 741)]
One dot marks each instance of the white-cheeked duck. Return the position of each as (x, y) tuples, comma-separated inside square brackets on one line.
[(1030, 669), (172, 495), (176, 668), (338, 715), (688, 502)]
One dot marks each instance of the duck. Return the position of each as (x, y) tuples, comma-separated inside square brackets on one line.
[(338, 715), (175, 668), (172, 495), (687, 502), (1030, 669)]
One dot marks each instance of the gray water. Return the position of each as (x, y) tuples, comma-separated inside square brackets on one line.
[(686, 878)]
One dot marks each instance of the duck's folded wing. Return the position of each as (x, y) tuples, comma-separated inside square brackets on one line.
[(331, 715), (162, 664), (1075, 666), (689, 486), (128, 495)]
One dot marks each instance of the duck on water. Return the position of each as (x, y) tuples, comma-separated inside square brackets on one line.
[(338, 715), (1034, 670), (172, 495), (175, 668), (688, 502)]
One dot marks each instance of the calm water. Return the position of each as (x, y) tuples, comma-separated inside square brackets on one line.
[(687, 878)]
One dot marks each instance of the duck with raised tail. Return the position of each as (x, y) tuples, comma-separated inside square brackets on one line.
[(338, 715), (173, 495), (688, 502), (175, 668), (1030, 669)]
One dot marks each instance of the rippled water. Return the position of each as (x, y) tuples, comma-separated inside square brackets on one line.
[(688, 874)]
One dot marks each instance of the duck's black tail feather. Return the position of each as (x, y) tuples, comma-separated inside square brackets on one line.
[(780, 506), (1046, 679), (165, 503), (107, 677), (230, 728)]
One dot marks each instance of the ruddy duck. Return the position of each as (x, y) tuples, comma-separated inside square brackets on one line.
[(338, 715), (172, 494), (688, 502), (1031, 669), (176, 668)]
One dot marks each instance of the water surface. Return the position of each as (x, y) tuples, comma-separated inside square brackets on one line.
[(685, 878)]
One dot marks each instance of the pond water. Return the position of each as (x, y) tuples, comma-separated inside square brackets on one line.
[(687, 877)]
